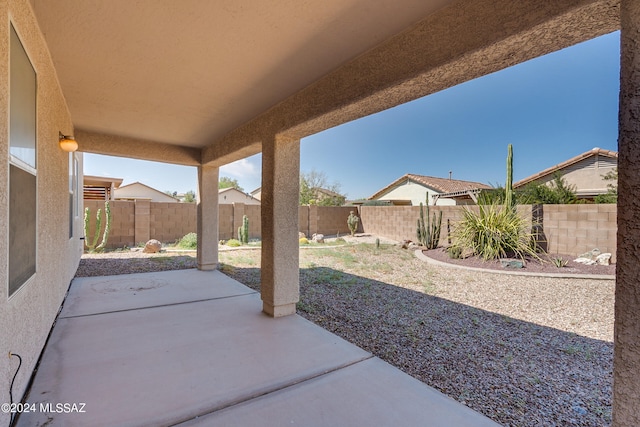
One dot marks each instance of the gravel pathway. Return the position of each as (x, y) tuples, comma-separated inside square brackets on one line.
[(524, 351)]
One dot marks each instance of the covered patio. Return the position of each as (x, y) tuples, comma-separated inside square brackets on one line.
[(191, 347), (204, 84)]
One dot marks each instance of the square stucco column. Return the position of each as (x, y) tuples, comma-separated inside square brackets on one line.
[(626, 362), (279, 214), (207, 217)]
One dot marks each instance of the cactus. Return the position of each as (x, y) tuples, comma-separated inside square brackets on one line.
[(93, 245), (243, 230), (508, 188), (352, 222), (428, 233)]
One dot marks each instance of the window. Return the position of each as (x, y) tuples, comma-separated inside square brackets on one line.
[(22, 166)]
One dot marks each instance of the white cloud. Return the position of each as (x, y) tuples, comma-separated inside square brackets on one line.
[(242, 168)]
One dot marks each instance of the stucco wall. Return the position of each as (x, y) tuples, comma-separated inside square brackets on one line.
[(140, 191), (587, 175), (27, 316), (416, 193)]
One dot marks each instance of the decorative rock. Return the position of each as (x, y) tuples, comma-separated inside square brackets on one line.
[(318, 238), (511, 263), (592, 254), (604, 259), (405, 244), (301, 235), (152, 246), (584, 260)]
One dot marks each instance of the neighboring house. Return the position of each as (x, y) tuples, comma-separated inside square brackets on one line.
[(584, 171), (257, 193), (227, 196), (321, 193), (411, 189), (138, 190), (100, 187)]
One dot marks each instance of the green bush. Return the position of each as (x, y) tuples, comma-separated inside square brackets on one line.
[(233, 242), (189, 241), (454, 252), (495, 232)]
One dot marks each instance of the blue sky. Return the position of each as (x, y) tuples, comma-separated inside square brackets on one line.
[(550, 108)]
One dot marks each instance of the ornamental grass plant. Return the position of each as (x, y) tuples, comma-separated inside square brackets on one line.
[(495, 231)]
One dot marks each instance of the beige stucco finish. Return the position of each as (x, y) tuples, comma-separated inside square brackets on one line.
[(416, 193), (626, 381), (27, 316), (227, 196), (207, 218), (279, 273), (138, 190)]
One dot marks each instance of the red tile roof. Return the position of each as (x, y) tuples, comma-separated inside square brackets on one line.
[(440, 185), (549, 171)]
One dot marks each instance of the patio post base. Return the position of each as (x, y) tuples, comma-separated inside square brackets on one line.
[(278, 310)]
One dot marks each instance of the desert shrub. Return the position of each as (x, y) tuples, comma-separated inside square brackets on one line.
[(189, 241), (494, 232), (454, 252), (233, 242)]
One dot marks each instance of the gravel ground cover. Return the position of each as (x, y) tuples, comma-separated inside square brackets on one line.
[(525, 351)]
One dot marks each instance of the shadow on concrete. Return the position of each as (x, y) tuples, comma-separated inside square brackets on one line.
[(515, 372)]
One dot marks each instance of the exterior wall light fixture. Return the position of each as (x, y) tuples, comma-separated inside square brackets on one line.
[(68, 143)]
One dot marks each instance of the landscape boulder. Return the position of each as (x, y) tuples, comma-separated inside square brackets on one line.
[(604, 259), (152, 246), (318, 238)]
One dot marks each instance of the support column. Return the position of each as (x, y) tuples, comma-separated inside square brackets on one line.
[(207, 227), (280, 276), (626, 362)]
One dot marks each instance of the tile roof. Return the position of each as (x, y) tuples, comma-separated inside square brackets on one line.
[(593, 152), (441, 185)]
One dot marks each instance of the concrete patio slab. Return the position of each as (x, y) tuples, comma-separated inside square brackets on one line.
[(368, 393), (204, 353), (103, 294)]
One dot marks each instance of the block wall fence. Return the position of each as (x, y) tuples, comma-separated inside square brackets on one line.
[(568, 229), (134, 222)]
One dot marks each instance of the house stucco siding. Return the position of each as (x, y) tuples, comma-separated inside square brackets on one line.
[(416, 193), (586, 175), (27, 315)]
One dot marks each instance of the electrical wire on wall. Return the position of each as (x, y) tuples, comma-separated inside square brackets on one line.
[(13, 414)]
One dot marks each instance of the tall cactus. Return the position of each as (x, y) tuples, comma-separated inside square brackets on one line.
[(508, 194), (91, 244), (428, 233), (243, 230), (352, 222)]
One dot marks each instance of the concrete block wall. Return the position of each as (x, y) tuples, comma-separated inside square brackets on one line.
[(225, 222), (122, 222), (171, 221), (576, 229), (328, 220), (400, 222), (569, 229)]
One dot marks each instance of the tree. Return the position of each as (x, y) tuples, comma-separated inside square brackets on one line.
[(315, 190), (611, 196), (226, 182), (557, 192), (190, 196), (171, 193)]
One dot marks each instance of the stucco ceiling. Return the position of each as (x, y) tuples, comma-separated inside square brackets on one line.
[(188, 72)]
